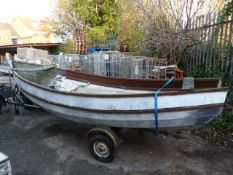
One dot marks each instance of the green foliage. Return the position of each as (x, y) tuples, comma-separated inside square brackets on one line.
[(97, 35), (132, 35), (100, 17), (96, 12), (132, 25), (96, 19), (227, 10), (200, 72), (67, 47), (225, 121)]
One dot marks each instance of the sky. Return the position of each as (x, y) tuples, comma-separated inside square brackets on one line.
[(26, 8)]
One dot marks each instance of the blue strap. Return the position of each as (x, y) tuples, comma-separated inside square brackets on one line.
[(156, 104)]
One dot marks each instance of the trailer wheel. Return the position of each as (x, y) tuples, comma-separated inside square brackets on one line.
[(101, 147)]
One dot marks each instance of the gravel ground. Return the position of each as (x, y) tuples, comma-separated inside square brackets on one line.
[(39, 143)]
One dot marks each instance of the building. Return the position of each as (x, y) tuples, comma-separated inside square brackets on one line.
[(23, 30), (6, 34), (12, 48)]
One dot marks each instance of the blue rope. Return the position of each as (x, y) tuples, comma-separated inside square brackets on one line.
[(156, 104)]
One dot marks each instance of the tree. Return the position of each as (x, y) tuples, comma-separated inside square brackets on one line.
[(168, 24), (67, 23), (67, 46), (94, 20), (131, 28), (228, 9), (65, 19), (101, 17)]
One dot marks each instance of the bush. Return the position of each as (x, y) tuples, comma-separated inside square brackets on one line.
[(225, 121)]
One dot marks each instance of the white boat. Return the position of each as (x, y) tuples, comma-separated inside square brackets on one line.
[(99, 105), (116, 107)]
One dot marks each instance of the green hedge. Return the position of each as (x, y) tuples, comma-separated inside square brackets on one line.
[(225, 121)]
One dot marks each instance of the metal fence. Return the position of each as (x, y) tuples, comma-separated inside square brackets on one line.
[(113, 64), (215, 52)]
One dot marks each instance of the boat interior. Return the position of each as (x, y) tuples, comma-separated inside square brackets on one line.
[(73, 81)]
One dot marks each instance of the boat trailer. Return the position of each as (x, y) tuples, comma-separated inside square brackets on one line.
[(102, 140), (10, 95)]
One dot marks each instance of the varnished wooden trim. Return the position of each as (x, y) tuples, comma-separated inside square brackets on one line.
[(139, 84)]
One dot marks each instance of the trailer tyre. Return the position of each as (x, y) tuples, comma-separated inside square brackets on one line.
[(101, 147)]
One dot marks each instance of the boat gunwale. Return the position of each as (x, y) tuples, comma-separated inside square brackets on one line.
[(125, 83), (120, 78), (163, 93), (199, 107)]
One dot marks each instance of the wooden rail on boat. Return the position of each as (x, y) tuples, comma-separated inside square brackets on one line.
[(139, 84)]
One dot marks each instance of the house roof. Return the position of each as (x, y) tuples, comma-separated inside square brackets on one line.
[(6, 26), (30, 23)]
